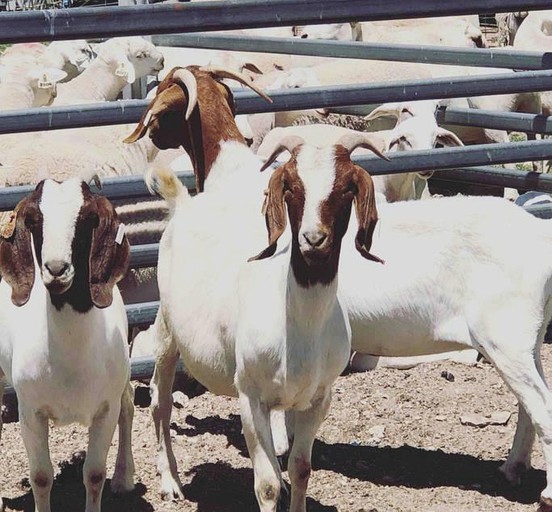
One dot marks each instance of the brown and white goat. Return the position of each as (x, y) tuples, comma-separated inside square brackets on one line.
[(63, 330)]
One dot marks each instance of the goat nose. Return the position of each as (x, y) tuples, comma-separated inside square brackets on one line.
[(315, 238), (56, 267)]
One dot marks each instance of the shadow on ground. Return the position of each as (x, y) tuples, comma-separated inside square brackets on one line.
[(68, 493)]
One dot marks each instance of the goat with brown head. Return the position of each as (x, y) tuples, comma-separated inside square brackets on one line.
[(194, 109), (319, 186), (78, 243)]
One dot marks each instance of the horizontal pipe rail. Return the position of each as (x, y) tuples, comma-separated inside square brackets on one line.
[(485, 57), (91, 22), (434, 159), (120, 112), (142, 313)]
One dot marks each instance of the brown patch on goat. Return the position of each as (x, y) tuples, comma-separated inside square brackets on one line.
[(352, 184), (211, 122)]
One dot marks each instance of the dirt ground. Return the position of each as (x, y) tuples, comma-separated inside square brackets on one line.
[(393, 441)]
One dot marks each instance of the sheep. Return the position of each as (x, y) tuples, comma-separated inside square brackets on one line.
[(70, 56), (119, 61), (461, 31), (508, 24), (70, 363), (416, 132), (24, 84), (450, 280), (535, 34)]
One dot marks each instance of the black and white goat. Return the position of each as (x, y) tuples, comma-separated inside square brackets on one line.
[(63, 336)]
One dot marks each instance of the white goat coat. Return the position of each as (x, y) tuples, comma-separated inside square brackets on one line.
[(205, 333), (52, 357), (452, 274)]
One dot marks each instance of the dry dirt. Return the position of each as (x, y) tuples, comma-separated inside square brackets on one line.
[(426, 459)]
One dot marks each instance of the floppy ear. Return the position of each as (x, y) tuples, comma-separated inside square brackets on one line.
[(275, 213), (366, 212), (165, 119), (16, 255), (109, 254)]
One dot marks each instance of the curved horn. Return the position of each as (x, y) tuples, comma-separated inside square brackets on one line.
[(287, 143), (384, 110), (351, 141), (234, 75), (188, 80)]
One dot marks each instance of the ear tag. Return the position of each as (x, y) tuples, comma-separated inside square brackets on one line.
[(120, 234), (8, 226)]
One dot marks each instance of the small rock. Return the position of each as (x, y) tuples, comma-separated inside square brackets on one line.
[(376, 433), (447, 375), (478, 420), (179, 399), (440, 417)]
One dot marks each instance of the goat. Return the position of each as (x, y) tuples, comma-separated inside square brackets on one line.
[(289, 352), (63, 337)]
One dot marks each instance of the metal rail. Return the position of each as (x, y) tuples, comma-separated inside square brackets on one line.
[(120, 112), (485, 57), (88, 22)]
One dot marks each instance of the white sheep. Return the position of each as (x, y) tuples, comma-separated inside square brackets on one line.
[(119, 61), (73, 57), (451, 279), (24, 83), (415, 132), (535, 34), (61, 254)]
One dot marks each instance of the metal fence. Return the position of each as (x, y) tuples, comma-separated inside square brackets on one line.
[(85, 22)]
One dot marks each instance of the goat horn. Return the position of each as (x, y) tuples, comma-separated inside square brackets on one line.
[(351, 141), (234, 75), (188, 80), (385, 110), (287, 143)]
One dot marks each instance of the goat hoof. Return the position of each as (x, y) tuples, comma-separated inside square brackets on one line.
[(513, 472), (545, 504), (121, 485), (171, 491)]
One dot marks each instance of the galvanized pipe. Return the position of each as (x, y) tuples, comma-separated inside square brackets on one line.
[(121, 112), (483, 57), (92, 22)]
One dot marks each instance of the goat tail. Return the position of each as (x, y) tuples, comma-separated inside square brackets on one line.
[(164, 182)]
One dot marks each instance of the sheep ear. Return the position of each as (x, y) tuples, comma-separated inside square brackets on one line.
[(16, 255), (125, 69), (109, 254), (48, 77), (366, 212), (275, 213), (447, 138)]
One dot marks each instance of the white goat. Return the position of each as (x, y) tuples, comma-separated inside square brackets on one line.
[(220, 362), (119, 61), (451, 279), (63, 333)]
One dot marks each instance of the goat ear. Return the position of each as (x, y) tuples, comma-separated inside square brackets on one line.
[(16, 255), (164, 118), (366, 212), (125, 69), (109, 254), (275, 213)]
